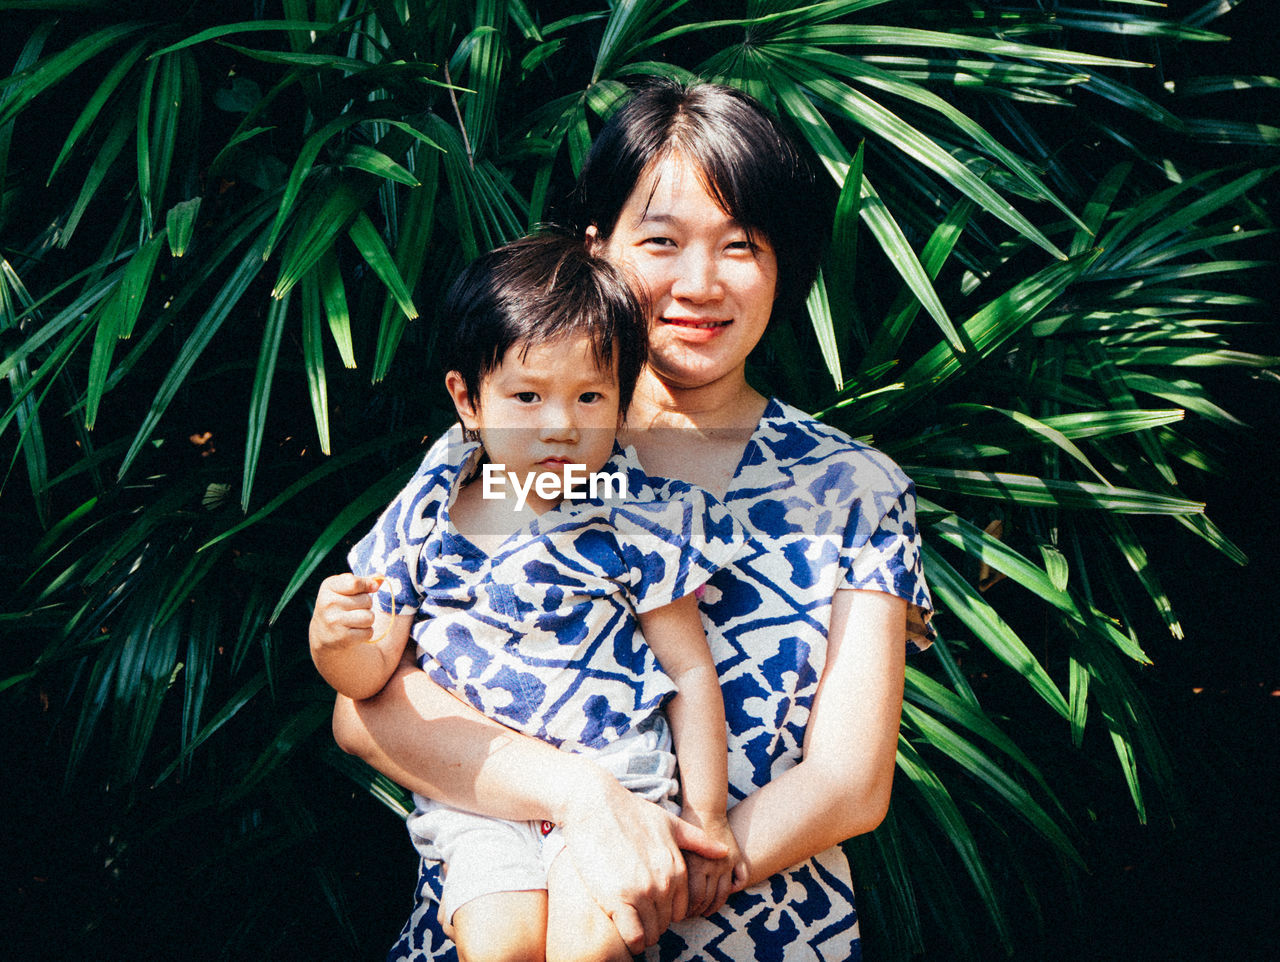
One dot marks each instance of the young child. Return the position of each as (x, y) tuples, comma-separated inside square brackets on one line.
[(568, 618)]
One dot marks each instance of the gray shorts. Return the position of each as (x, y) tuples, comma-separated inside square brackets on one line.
[(486, 855)]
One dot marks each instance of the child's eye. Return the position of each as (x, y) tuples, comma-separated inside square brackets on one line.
[(590, 397), (526, 397)]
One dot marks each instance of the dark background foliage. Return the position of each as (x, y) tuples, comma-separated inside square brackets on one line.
[(234, 853), (1199, 888)]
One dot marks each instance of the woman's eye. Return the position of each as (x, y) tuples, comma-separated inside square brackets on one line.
[(526, 397), (658, 242)]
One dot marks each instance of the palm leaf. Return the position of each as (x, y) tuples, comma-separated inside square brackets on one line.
[(208, 325), (963, 601), (20, 89), (377, 495), (313, 358), (935, 796), (261, 394)]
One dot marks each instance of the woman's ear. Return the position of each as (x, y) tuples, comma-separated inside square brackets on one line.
[(456, 385), (593, 239)]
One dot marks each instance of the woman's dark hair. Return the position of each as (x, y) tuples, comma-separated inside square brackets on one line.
[(539, 289), (751, 168)]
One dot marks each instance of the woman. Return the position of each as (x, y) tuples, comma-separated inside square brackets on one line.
[(708, 207)]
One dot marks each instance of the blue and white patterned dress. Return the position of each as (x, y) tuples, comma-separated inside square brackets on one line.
[(822, 512)]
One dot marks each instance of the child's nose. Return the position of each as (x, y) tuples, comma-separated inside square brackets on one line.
[(558, 424)]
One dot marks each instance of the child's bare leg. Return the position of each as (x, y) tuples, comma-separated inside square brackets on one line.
[(577, 929), (502, 927)]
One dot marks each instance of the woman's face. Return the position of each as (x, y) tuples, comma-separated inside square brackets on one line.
[(711, 289)]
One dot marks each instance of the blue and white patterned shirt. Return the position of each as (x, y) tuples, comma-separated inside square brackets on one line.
[(822, 512), (542, 635)]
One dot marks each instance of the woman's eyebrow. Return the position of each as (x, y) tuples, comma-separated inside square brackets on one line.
[(650, 217), (660, 217)]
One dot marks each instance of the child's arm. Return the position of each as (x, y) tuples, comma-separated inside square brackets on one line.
[(355, 645), (696, 714)]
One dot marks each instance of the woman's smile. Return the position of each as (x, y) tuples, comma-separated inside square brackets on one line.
[(693, 330), (693, 324)]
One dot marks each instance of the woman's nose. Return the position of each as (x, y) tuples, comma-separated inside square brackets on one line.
[(697, 276)]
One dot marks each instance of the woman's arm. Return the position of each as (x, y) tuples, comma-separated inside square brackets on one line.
[(627, 850), (424, 738), (841, 788)]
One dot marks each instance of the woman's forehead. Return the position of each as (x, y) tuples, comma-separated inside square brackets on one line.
[(673, 185)]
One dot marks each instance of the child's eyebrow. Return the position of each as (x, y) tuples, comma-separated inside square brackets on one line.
[(526, 375)]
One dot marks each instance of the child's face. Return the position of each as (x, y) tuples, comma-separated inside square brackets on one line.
[(537, 413)]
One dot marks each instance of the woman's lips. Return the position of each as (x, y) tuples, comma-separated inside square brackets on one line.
[(695, 324)]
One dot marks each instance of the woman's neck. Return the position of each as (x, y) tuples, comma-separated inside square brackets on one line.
[(695, 435), (726, 403)]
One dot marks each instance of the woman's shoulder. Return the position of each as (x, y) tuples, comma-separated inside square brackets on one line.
[(794, 442)]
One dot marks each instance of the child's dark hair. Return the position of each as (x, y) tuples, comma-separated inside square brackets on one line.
[(538, 289), (752, 169)]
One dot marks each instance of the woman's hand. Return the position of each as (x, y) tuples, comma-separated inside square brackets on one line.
[(628, 852), (712, 880)]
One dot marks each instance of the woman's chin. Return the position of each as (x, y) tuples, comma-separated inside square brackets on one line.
[(692, 373)]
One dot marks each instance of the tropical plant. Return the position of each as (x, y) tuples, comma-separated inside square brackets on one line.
[(226, 228)]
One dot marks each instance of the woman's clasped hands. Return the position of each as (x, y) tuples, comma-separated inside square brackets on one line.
[(645, 867)]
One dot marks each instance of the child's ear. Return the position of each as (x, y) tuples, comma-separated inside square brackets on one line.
[(594, 240), (456, 385)]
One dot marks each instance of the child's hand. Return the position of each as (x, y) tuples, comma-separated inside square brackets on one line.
[(343, 615), (712, 880)]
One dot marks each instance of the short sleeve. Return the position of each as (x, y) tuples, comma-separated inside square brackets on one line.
[(881, 552), (393, 546), (671, 546)]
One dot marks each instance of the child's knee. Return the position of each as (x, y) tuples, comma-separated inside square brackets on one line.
[(580, 932), (504, 927)]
